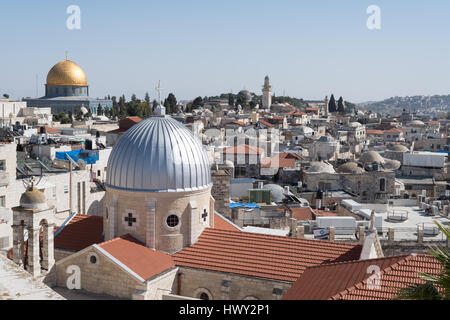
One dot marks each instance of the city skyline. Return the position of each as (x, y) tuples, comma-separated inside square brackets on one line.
[(204, 49)]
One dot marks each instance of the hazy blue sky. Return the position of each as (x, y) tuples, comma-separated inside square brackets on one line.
[(204, 47)]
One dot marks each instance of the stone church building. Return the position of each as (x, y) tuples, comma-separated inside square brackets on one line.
[(160, 237)]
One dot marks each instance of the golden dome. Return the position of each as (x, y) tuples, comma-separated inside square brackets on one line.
[(66, 73)]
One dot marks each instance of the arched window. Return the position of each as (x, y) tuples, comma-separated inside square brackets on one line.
[(204, 296), (383, 185)]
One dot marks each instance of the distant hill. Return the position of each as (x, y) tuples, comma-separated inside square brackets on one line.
[(417, 103)]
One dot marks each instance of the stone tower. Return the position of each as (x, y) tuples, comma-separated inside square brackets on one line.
[(326, 107), (35, 215), (267, 94)]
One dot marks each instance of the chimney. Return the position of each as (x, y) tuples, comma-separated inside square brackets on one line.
[(286, 190), (362, 235), (332, 232)]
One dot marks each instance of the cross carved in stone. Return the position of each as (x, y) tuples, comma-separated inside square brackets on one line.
[(130, 219), (204, 215)]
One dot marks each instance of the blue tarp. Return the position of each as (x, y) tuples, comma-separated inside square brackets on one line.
[(245, 205), (90, 157)]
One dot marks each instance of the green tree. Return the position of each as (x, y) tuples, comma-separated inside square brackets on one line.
[(100, 110), (429, 290), (197, 103), (340, 105), (6, 96), (332, 104), (231, 99)]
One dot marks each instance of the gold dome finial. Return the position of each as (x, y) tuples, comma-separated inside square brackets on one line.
[(66, 73)]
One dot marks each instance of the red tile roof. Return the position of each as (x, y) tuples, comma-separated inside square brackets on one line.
[(324, 213), (266, 123), (223, 224), (243, 149), (80, 233), (126, 124), (312, 109), (239, 123), (282, 160), (145, 262), (52, 130), (350, 280), (302, 214), (264, 256), (374, 132), (393, 130)]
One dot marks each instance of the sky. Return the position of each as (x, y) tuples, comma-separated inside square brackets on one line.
[(309, 49)]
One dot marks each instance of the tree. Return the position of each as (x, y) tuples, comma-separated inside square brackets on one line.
[(332, 104), (133, 97), (171, 104), (428, 290), (6, 96), (100, 110), (197, 103), (231, 99), (147, 98), (341, 107)]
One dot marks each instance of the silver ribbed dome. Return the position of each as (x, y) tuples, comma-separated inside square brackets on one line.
[(158, 154)]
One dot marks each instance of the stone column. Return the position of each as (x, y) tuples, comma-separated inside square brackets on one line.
[(301, 232), (48, 252), (34, 265), (332, 232), (18, 242), (420, 234), (391, 235), (150, 225), (362, 235)]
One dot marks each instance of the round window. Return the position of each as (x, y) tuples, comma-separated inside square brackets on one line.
[(93, 259), (172, 221)]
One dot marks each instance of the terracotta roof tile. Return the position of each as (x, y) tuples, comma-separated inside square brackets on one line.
[(302, 214), (223, 224), (349, 280), (145, 262), (80, 233), (324, 213), (266, 123), (243, 149), (264, 256)]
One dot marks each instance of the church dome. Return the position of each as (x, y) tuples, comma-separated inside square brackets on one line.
[(245, 94), (66, 73), (398, 148), (159, 154), (321, 167), (33, 199), (371, 157), (350, 167)]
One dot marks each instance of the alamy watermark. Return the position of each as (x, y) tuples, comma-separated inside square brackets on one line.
[(374, 20), (73, 22)]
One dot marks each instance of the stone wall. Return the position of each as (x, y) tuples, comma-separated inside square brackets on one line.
[(221, 192), (148, 213), (227, 286), (103, 277)]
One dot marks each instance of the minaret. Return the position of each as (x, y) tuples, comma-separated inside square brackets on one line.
[(160, 110), (326, 106), (267, 94)]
